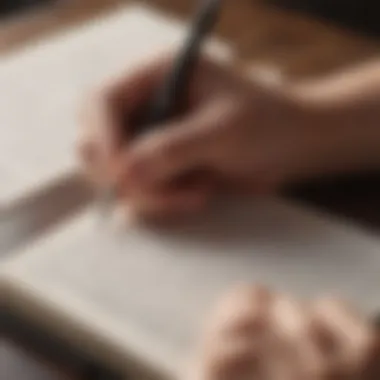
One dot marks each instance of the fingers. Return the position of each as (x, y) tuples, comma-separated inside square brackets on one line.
[(184, 145), (295, 355), (346, 337), (99, 138), (105, 115), (130, 90), (257, 334), (247, 307), (234, 335)]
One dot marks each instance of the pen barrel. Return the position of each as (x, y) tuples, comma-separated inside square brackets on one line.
[(171, 97)]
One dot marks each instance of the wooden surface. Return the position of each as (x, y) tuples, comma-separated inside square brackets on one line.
[(295, 46)]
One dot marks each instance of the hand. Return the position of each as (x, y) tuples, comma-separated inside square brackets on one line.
[(235, 132), (256, 334)]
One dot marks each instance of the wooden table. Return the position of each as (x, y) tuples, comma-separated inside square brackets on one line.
[(295, 46)]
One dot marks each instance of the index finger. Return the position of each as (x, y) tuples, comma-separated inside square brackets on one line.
[(104, 114)]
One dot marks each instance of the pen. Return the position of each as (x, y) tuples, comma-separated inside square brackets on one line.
[(169, 97)]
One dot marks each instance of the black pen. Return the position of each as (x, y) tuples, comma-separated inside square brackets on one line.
[(169, 97)]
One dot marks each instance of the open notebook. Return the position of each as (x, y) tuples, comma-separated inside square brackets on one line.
[(140, 294)]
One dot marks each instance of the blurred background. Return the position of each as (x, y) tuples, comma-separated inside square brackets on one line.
[(296, 38), (360, 15), (290, 40), (9, 6)]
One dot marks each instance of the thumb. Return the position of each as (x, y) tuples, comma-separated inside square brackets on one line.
[(173, 150)]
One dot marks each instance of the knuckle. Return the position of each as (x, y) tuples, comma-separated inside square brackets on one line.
[(291, 317), (241, 310)]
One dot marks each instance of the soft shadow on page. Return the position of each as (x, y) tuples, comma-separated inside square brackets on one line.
[(36, 213), (162, 282)]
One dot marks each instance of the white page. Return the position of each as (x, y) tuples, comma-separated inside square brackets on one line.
[(11, 183), (43, 86), (148, 291)]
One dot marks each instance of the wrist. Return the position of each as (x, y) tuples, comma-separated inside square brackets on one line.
[(343, 134)]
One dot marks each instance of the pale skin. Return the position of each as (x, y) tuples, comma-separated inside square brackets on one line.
[(241, 135), (257, 334), (247, 136)]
